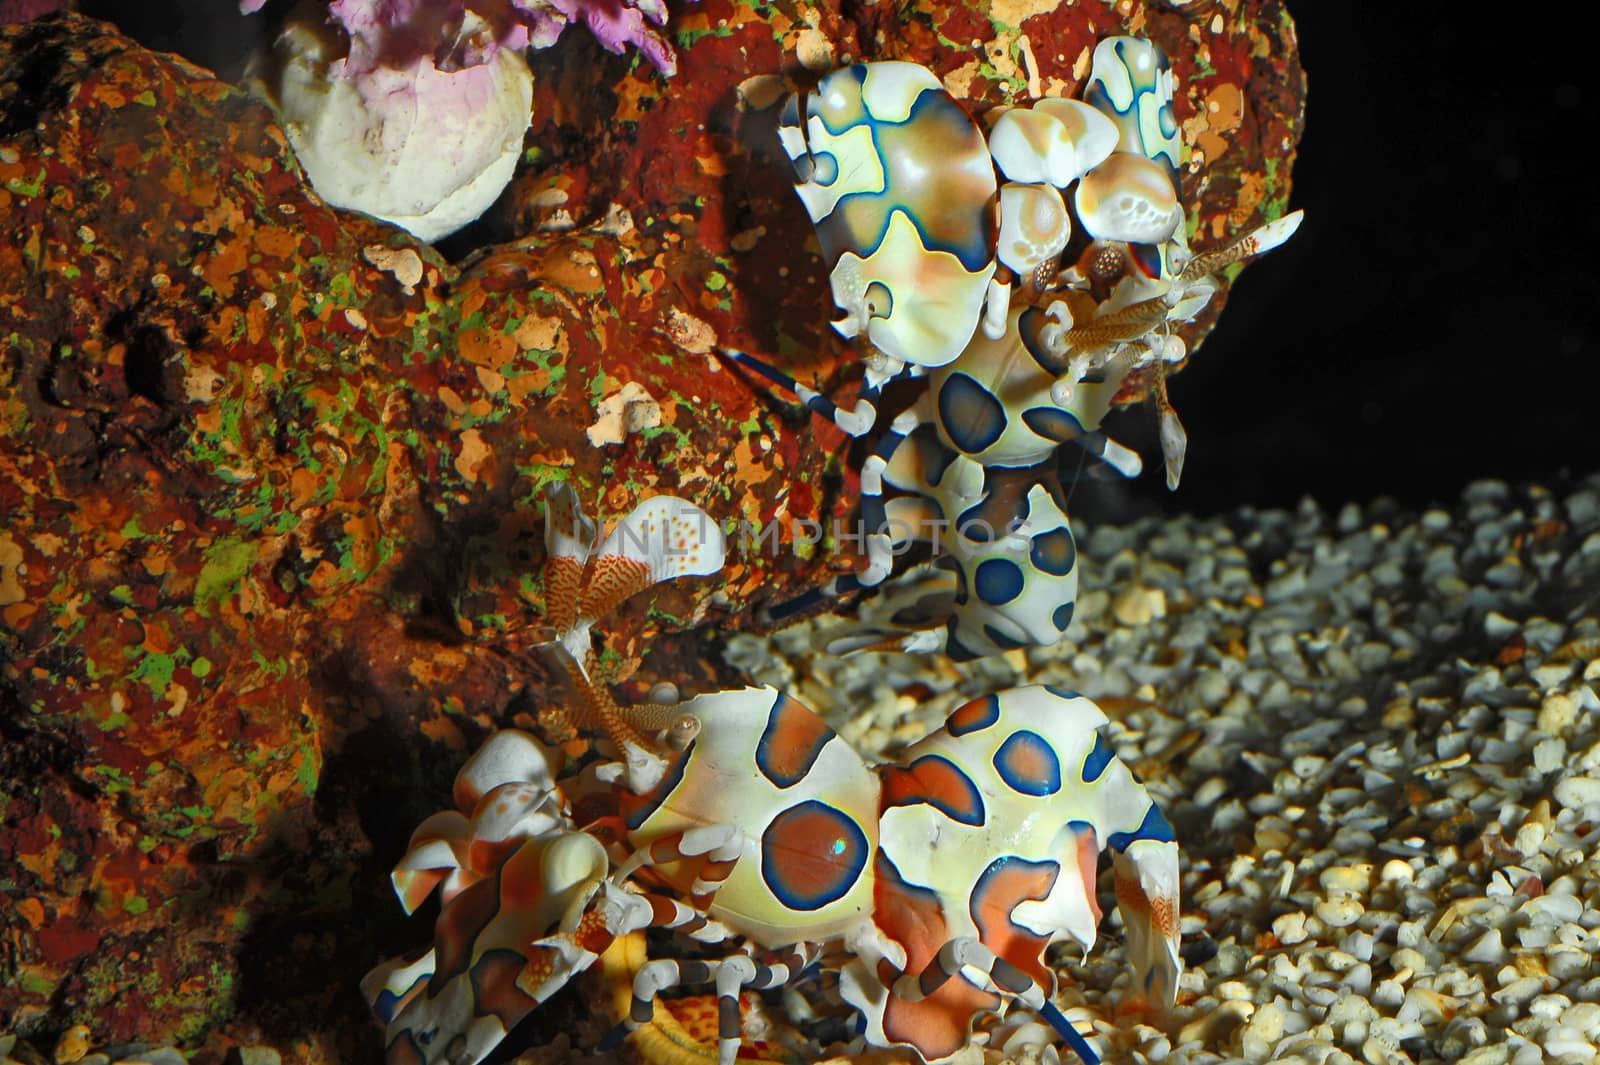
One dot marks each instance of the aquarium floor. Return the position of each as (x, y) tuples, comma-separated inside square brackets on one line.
[(1377, 735)]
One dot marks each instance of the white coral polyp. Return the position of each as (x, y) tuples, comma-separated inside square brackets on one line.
[(427, 149)]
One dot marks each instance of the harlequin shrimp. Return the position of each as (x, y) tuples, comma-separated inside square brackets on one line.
[(944, 876), (662, 538), (884, 157), (927, 225), (1136, 278), (519, 883), (974, 460), (1007, 405), (901, 187), (990, 832), (901, 184), (742, 818), (685, 1030), (1004, 573)]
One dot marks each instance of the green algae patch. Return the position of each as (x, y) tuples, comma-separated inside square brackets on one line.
[(226, 562), (156, 670)]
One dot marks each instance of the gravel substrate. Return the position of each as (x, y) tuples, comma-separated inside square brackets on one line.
[(1376, 734)]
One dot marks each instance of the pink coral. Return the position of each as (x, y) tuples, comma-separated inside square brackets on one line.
[(616, 23), (398, 32), (27, 10)]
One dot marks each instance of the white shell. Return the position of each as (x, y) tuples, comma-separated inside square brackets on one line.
[(426, 149), (1128, 197)]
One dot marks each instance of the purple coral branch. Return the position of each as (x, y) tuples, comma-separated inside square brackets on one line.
[(616, 24), (398, 32), (28, 10)]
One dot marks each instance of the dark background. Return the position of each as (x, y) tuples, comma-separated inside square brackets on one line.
[(1431, 322)]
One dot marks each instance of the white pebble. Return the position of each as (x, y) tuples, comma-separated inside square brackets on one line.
[(1207, 794), (1530, 837), (1408, 958), (1549, 1007), (1554, 908), (1536, 937), (1583, 1017), (1388, 994), (1527, 1054), (1379, 1052), (1396, 870), (1489, 949), (1262, 1032), (1462, 1034), (1359, 944), (1234, 990), (1358, 981), (1566, 962), (1426, 1006), (1578, 792), (1568, 1043), (1549, 754), (1337, 961), (1339, 912), (1519, 991), (1551, 675), (1497, 626), (1290, 928), (1351, 1009), (1347, 879), (1558, 713)]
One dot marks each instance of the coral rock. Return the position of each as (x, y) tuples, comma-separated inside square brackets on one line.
[(269, 472)]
